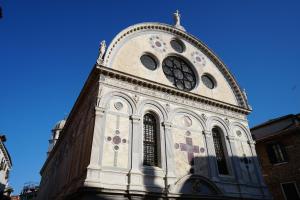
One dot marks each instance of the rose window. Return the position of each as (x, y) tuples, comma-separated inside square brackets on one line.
[(179, 73)]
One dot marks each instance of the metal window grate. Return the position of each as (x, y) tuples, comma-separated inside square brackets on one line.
[(150, 140), (220, 156)]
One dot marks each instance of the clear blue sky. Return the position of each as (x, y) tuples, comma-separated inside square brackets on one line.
[(48, 47)]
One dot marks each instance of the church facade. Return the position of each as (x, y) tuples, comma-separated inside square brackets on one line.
[(159, 117)]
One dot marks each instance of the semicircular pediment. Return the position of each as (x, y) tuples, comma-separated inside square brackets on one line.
[(142, 50)]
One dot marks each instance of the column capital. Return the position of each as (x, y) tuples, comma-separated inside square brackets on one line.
[(167, 124), (135, 118), (100, 110), (230, 137), (207, 133), (251, 142)]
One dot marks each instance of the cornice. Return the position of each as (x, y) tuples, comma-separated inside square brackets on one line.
[(241, 99), (122, 76)]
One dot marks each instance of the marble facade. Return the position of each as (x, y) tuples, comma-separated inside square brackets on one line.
[(99, 154)]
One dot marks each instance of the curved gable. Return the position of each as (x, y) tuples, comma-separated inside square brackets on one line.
[(126, 49)]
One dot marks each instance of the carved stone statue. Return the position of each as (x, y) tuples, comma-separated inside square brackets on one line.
[(177, 20), (102, 50)]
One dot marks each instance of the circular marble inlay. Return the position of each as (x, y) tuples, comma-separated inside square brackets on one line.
[(124, 141), (239, 133), (176, 146), (188, 133), (108, 138), (157, 43), (199, 58), (116, 140), (118, 105), (202, 150), (116, 148), (117, 132), (187, 121)]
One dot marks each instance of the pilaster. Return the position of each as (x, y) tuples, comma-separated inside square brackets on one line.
[(213, 171)]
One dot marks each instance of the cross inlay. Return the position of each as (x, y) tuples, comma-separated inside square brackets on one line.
[(190, 149)]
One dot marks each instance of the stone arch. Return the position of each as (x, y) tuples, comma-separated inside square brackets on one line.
[(153, 106), (244, 128), (211, 188), (107, 97), (187, 111), (215, 121)]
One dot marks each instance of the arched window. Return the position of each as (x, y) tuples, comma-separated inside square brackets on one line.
[(150, 140), (219, 149)]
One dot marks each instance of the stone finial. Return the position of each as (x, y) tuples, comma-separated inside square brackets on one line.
[(177, 17), (102, 50)]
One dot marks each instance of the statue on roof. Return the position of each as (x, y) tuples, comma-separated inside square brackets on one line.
[(177, 17), (102, 50)]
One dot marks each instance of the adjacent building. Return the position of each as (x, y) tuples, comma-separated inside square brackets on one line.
[(5, 167), (278, 149), (159, 117)]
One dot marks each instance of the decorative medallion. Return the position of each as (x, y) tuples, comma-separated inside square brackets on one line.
[(239, 133), (116, 140), (188, 133), (199, 58), (157, 43), (186, 121), (204, 117), (227, 121), (168, 109), (118, 105), (202, 150)]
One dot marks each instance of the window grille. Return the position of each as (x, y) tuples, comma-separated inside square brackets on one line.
[(219, 149), (150, 140)]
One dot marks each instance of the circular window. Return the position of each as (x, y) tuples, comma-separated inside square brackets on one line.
[(208, 81), (179, 73), (177, 45), (149, 61)]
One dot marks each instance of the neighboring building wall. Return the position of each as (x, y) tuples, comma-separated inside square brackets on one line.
[(285, 166), (5, 166)]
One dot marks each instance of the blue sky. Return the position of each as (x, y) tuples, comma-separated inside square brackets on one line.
[(48, 47)]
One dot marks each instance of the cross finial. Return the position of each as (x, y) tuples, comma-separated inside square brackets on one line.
[(177, 17)]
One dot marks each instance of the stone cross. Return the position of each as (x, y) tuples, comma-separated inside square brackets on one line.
[(189, 148)]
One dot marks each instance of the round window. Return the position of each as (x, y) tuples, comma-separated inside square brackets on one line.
[(208, 81), (179, 73), (177, 45), (149, 61)]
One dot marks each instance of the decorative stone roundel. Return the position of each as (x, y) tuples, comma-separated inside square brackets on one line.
[(239, 133), (199, 58), (157, 43), (179, 73), (118, 105)]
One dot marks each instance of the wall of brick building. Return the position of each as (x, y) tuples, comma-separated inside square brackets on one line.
[(275, 174)]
